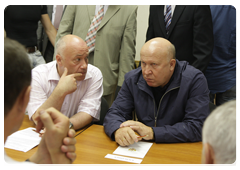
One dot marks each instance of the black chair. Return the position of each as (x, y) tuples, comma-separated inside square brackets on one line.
[(103, 112), (116, 92)]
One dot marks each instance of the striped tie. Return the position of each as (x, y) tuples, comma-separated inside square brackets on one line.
[(168, 17), (91, 35)]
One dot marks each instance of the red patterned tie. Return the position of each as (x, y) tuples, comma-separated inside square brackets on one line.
[(91, 35)]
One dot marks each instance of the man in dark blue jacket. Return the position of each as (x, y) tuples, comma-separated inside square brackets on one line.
[(169, 97)]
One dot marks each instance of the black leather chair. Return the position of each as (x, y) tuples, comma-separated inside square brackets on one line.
[(103, 112)]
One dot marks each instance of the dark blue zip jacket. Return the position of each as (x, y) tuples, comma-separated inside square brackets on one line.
[(182, 109)]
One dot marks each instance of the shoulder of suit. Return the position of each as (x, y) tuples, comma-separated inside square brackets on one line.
[(129, 7)]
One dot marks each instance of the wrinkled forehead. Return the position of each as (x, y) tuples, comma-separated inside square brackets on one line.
[(83, 51)]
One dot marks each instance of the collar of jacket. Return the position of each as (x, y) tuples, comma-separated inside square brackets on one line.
[(177, 76)]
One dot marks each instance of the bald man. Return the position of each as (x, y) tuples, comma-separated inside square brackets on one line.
[(169, 97), (69, 84)]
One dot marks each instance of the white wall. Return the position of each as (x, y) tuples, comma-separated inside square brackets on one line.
[(142, 25)]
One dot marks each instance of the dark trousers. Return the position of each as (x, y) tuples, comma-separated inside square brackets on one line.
[(224, 97), (48, 55)]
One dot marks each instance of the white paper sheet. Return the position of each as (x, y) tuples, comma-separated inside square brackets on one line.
[(138, 149), (23, 140), (122, 158)]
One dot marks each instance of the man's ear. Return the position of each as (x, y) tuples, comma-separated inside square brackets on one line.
[(172, 64), (59, 59), (23, 99), (209, 154)]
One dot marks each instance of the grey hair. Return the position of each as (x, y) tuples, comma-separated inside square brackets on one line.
[(219, 130), (60, 45)]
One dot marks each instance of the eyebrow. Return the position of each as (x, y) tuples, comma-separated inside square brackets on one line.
[(80, 55)]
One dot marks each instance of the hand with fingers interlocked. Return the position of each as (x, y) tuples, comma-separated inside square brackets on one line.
[(126, 135)]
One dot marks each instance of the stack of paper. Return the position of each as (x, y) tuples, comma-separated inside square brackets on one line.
[(23, 140), (138, 150)]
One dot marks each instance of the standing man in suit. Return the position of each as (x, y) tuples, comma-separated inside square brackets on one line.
[(114, 49), (189, 28), (45, 46)]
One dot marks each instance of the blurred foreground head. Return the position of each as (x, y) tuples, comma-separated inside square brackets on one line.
[(219, 135)]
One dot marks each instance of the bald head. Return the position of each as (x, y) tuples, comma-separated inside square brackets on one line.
[(160, 47), (158, 61), (70, 41), (72, 53)]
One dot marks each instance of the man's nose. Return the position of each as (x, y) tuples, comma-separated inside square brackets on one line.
[(147, 70), (84, 65)]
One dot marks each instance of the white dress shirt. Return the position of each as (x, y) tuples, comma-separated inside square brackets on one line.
[(98, 6), (53, 13), (87, 97)]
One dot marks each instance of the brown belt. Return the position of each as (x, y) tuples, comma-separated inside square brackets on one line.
[(31, 49)]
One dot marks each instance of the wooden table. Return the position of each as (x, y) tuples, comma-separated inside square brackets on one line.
[(93, 145)]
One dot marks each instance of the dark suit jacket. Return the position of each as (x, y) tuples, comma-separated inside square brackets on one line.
[(191, 32)]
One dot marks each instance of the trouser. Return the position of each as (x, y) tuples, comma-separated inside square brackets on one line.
[(49, 51), (36, 58), (224, 96)]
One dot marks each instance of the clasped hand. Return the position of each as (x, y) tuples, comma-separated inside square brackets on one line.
[(55, 146), (126, 135)]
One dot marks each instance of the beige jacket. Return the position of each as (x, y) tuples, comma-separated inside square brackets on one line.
[(115, 43)]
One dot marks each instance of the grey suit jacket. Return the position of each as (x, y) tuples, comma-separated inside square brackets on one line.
[(115, 43)]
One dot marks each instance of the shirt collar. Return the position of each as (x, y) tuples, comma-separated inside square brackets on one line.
[(53, 74)]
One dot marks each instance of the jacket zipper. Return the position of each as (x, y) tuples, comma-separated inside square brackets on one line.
[(155, 125)]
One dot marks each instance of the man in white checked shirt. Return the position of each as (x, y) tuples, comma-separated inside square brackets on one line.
[(69, 84)]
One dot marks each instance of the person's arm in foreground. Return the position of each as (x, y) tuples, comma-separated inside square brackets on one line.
[(51, 148)]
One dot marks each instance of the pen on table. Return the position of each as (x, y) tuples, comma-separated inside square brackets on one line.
[(142, 136)]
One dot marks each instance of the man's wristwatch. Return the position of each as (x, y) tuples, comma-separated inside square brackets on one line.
[(71, 125)]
